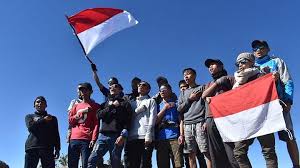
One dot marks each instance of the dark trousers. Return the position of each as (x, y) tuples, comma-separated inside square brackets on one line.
[(267, 143), (200, 158), (229, 147), (136, 155), (167, 150), (220, 157), (77, 148), (32, 158)]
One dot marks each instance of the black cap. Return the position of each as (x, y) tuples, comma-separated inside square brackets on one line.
[(210, 61), (113, 80), (256, 43), (85, 85)]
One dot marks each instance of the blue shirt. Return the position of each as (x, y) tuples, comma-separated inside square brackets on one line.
[(171, 128)]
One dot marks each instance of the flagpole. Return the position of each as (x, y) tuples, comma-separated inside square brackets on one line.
[(85, 54)]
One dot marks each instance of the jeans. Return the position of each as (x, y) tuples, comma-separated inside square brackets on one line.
[(32, 158), (106, 142), (77, 148)]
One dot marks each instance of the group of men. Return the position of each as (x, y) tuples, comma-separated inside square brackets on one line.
[(181, 130)]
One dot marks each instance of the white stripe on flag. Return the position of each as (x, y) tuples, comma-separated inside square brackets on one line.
[(261, 120), (95, 35)]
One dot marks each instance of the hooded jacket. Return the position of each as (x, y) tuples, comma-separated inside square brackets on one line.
[(115, 119), (143, 119), (285, 87), (42, 134)]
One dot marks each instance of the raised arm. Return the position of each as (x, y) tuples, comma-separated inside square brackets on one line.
[(101, 87)]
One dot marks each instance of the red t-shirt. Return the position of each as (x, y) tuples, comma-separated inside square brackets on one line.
[(84, 125)]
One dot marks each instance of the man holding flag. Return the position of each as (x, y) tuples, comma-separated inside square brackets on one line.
[(221, 153), (285, 88), (249, 111), (246, 73)]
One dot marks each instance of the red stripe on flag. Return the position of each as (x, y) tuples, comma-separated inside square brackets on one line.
[(89, 18), (255, 93)]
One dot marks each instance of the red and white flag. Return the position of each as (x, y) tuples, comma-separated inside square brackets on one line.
[(92, 26), (248, 111)]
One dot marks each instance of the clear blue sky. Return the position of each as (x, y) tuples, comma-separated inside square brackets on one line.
[(40, 56)]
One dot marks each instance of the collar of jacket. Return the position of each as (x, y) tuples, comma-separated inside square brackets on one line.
[(219, 74), (263, 60), (142, 97), (115, 97), (42, 113)]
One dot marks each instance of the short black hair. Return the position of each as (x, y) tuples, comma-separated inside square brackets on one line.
[(42, 98), (136, 79), (3, 164), (189, 69), (161, 79), (182, 82)]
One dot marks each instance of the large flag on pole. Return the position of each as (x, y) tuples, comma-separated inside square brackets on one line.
[(248, 111), (92, 26)]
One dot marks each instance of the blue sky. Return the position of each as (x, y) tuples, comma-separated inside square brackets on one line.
[(40, 56)]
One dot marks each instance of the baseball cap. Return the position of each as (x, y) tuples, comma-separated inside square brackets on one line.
[(210, 61), (85, 85), (257, 43)]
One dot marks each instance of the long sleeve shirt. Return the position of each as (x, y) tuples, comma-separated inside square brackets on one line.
[(42, 134), (84, 126), (143, 119), (285, 87), (193, 111), (115, 119)]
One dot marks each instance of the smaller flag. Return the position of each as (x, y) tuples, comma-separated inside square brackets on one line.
[(248, 111), (92, 26)]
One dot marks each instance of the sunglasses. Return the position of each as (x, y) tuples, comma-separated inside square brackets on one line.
[(258, 48), (163, 90), (114, 86), (142, 84), (244, 61)]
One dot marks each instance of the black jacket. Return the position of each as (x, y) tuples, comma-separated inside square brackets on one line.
[(42, 134), (115, 119)]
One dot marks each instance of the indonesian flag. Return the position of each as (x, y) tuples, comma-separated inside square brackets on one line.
[(92, 26), (248, 111)]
